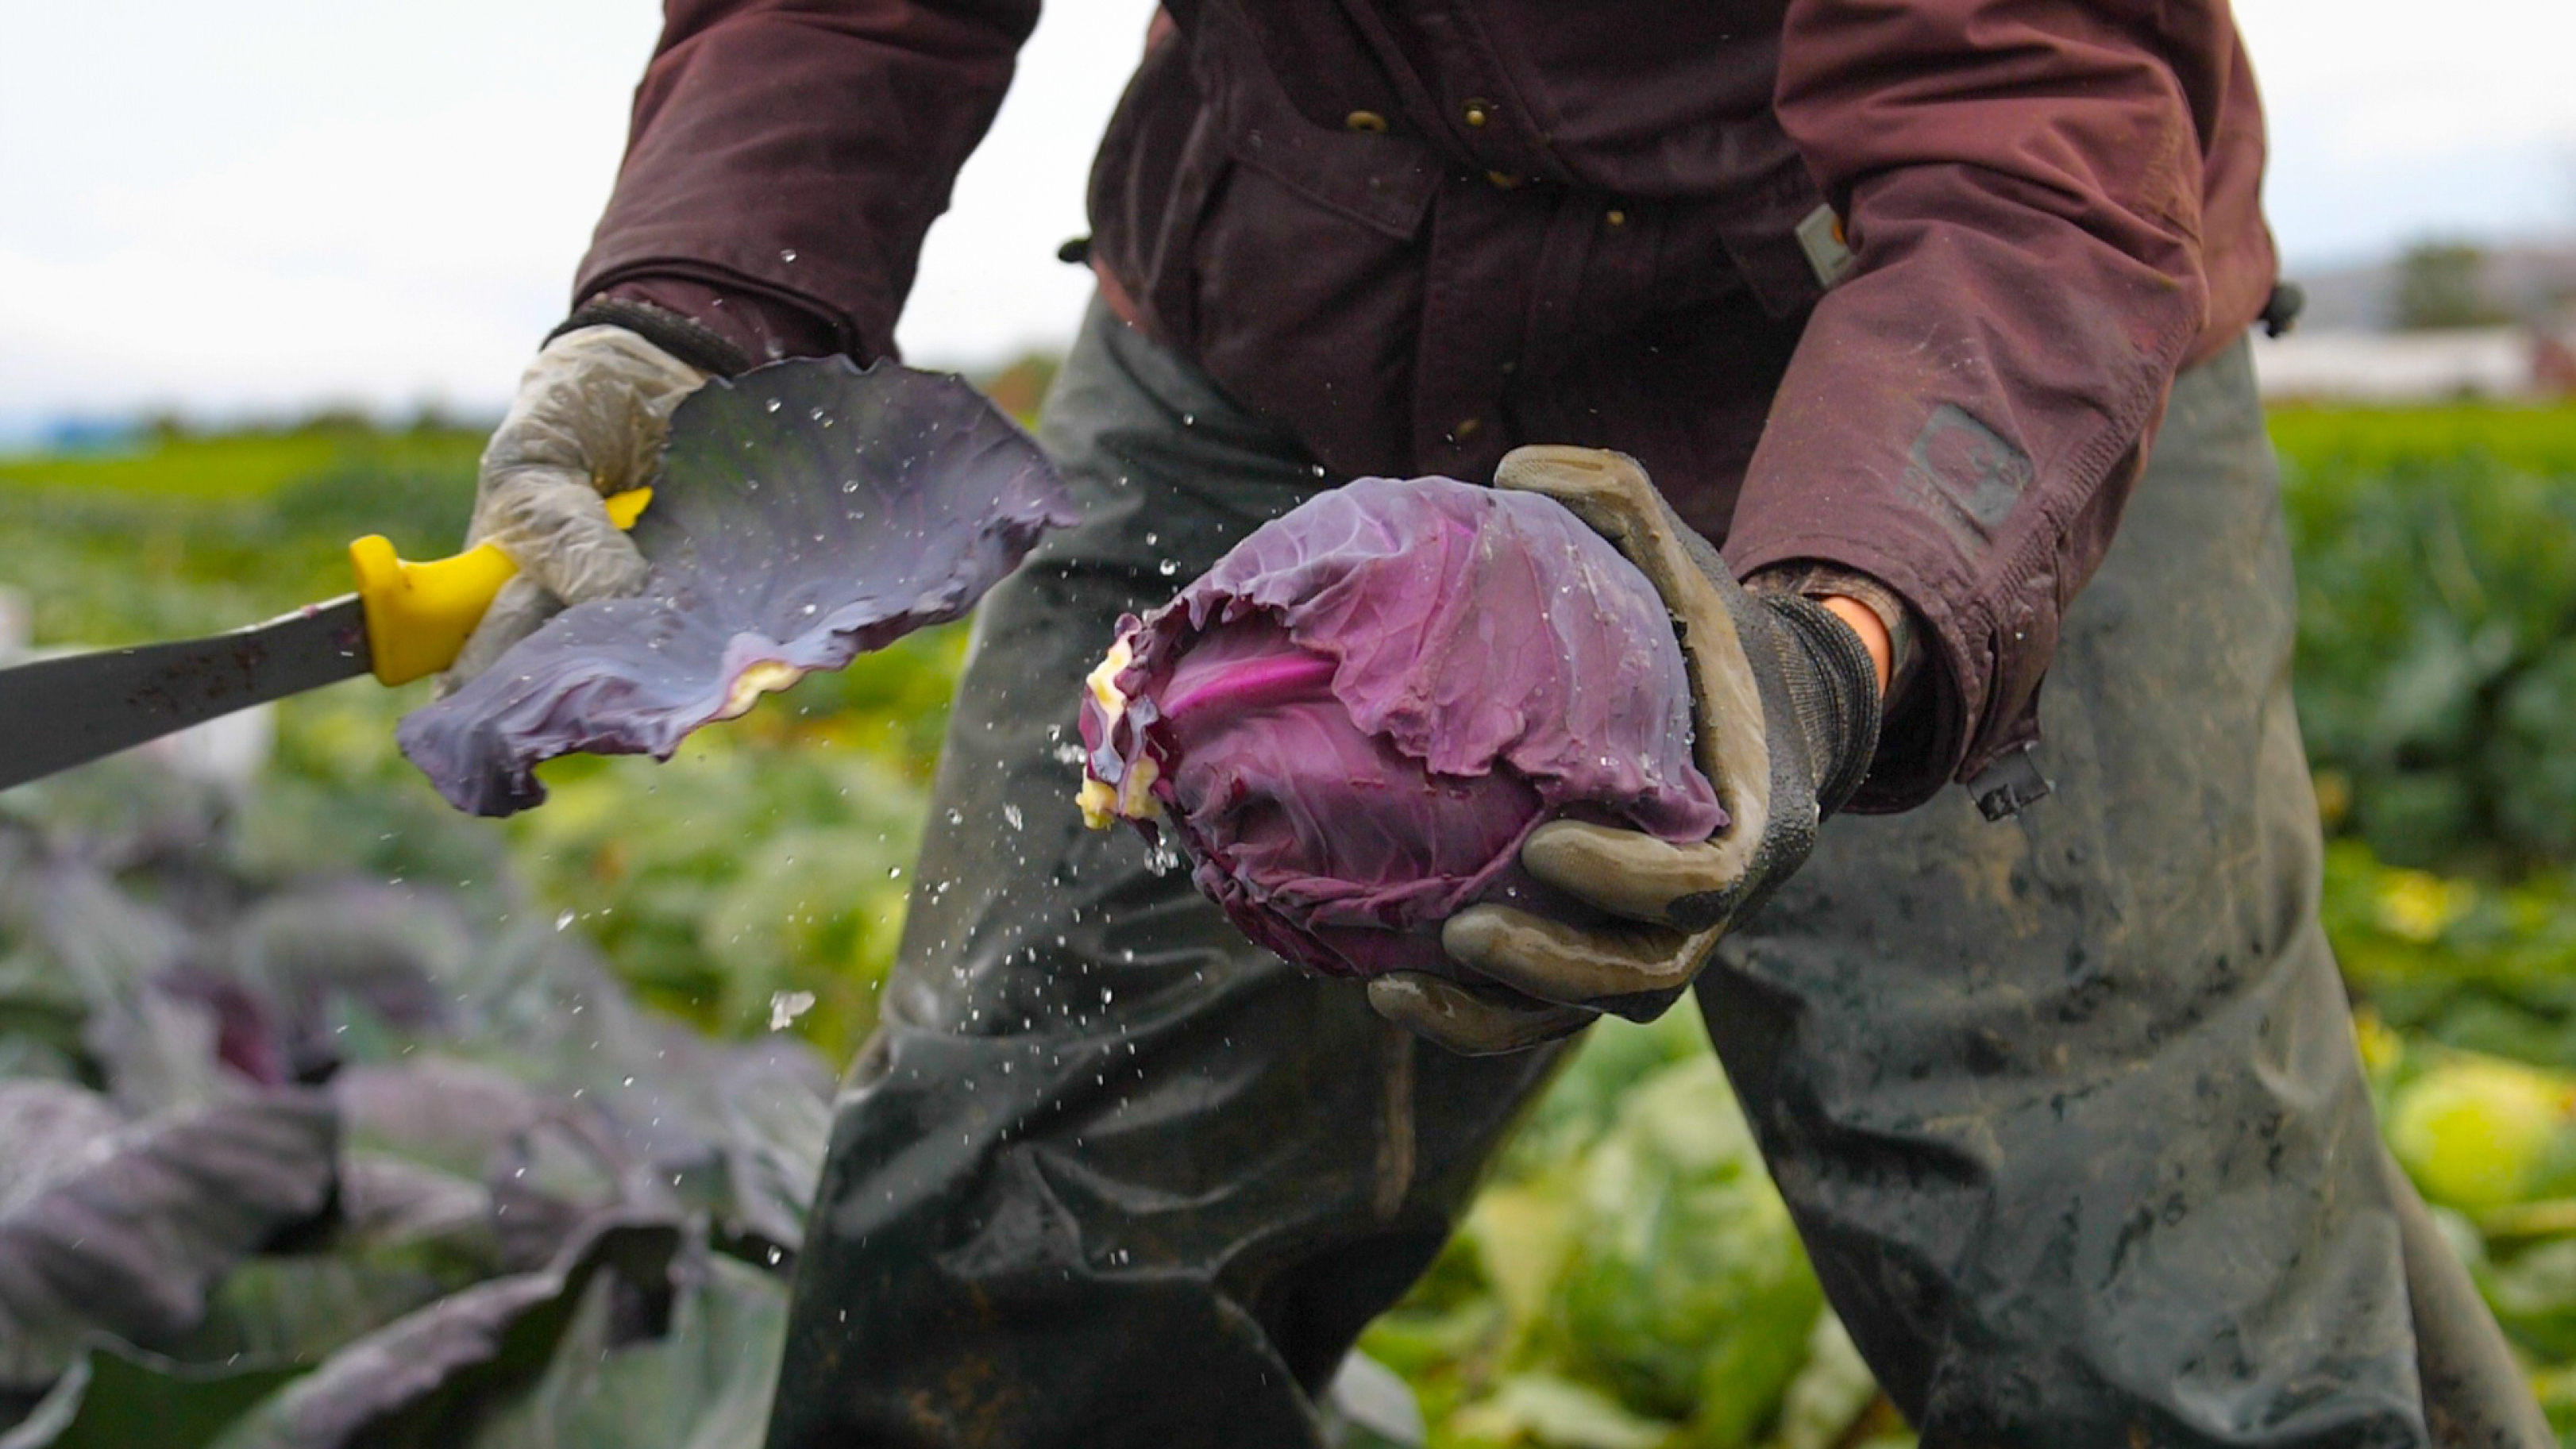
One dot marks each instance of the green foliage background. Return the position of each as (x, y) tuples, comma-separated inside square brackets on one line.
[(1628, 1280)]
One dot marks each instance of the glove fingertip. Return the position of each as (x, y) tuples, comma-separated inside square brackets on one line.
[(1472, 937), (1564, 470), (1562, 852), (1466, 929), (1628, 873), (1609, 491)]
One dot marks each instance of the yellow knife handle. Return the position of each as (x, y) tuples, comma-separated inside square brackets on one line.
[(419, 614)]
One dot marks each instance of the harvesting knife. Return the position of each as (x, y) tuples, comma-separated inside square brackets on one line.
[(406, 621)]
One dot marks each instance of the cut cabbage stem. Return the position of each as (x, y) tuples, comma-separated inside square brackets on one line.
[(1103, 679), (1101, 804), (767, 676), (1098, 801)]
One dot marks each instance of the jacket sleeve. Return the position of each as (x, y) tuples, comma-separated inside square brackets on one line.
[(2021, 184), (794, 152)]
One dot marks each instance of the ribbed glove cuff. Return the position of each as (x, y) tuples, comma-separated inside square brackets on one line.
[(1833, 691), (684, 338)]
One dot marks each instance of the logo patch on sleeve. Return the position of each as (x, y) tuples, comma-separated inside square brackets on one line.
[(1972, 472)]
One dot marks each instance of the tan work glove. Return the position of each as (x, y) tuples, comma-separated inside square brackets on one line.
[(592, 411), (1787, 711)]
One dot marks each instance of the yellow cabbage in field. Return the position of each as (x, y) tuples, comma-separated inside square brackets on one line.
[(2478, 1133)]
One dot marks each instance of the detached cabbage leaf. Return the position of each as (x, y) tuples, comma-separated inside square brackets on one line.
[(1353, 721), (807, 512)]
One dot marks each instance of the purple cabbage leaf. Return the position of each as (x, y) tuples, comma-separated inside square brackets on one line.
[(484, 1187), (1353, 721), (807, 512), (419, 1379), (106, 1226)]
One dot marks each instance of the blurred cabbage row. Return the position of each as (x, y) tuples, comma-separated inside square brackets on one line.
[(303, 1147), (1629, 1279), (2437, 630)]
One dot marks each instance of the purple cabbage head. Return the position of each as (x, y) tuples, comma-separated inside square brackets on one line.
[(807, 512), (1352, 722)]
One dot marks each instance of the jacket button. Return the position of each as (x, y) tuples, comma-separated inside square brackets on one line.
[(1369, 121), (1504, 180), (1466, 429), (1478, 113), (1615, 217)]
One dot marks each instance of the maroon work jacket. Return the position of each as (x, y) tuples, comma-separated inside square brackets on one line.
[(1898, 285)]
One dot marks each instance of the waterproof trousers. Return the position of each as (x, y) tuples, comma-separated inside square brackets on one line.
[(2067, 1106)]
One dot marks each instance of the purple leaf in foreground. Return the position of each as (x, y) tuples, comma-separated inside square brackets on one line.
[(1354, 720), (418, 1379), (807, 512), (124, 1228)]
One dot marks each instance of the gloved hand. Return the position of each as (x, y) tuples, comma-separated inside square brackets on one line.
[(589, 421), (1787, 712)]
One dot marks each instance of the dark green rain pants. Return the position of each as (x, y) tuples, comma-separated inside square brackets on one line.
[(2067, 1106)]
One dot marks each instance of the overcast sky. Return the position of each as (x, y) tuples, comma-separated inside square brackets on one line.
[(270, 204)]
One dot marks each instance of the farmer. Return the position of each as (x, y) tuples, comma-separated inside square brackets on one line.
[(1931, 315)]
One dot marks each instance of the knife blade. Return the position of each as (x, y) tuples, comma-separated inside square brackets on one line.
[(57, 713)]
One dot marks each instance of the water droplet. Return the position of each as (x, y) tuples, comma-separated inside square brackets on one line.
[(1012, 814), (787, 254), (849, 485), (1168, 568), (894, 872), (564, 921), (773, 407)]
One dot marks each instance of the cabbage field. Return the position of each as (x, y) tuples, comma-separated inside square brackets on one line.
[(537, 1100)]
